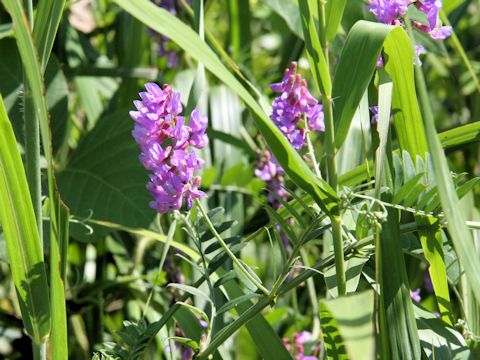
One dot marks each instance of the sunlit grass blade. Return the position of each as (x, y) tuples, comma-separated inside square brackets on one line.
[(398, 61), (432, 244), (460, 234), (402, 328), (168, 25), (355, 70), (334, 13), (58, 266), (21, 235)]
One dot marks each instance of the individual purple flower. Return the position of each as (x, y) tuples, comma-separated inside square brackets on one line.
[(166, 141), (269, 170), (374, 110), (389, 11), (431, 8), (415, 295), (294, 103)]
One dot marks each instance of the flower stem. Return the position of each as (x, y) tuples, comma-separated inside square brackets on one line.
[(232, 256)]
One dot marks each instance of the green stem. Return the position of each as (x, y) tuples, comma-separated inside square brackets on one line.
[(331, 151), (39, 351), (232, 256), (32, 157), (381, 325), (339, 254)]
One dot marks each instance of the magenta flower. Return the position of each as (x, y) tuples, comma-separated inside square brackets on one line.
[(431, 9), (415, 295), (298, 347), (392, 12), (292, 105), (165, 142), (389, 11)]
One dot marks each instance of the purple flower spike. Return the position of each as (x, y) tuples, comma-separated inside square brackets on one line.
[(295, 102), (164, 140)]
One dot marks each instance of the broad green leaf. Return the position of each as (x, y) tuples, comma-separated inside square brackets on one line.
[(288, 10), (315, 54), (21, 235), (354, 317), (105, 179), (170, 26), (334, 343), (439, 342)]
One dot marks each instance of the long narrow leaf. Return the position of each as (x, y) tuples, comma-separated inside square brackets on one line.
[(21, 234)]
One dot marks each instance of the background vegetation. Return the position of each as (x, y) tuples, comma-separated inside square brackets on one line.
[(89, 269)]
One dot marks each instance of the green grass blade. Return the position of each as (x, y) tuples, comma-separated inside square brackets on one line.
[(47, 20), (168, 25), (406, 113), (460, 234), (355, 69), (315, 54), (334, 14), (403, 333), (354, 72), (58, 266), (432, 244), (21, 234)]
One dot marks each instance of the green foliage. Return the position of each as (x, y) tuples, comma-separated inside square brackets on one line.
[(371, 212)]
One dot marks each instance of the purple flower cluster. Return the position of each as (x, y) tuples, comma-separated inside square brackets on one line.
[(392, 12), (298, 346), (269, 170), (294, 103), (165, 140)]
